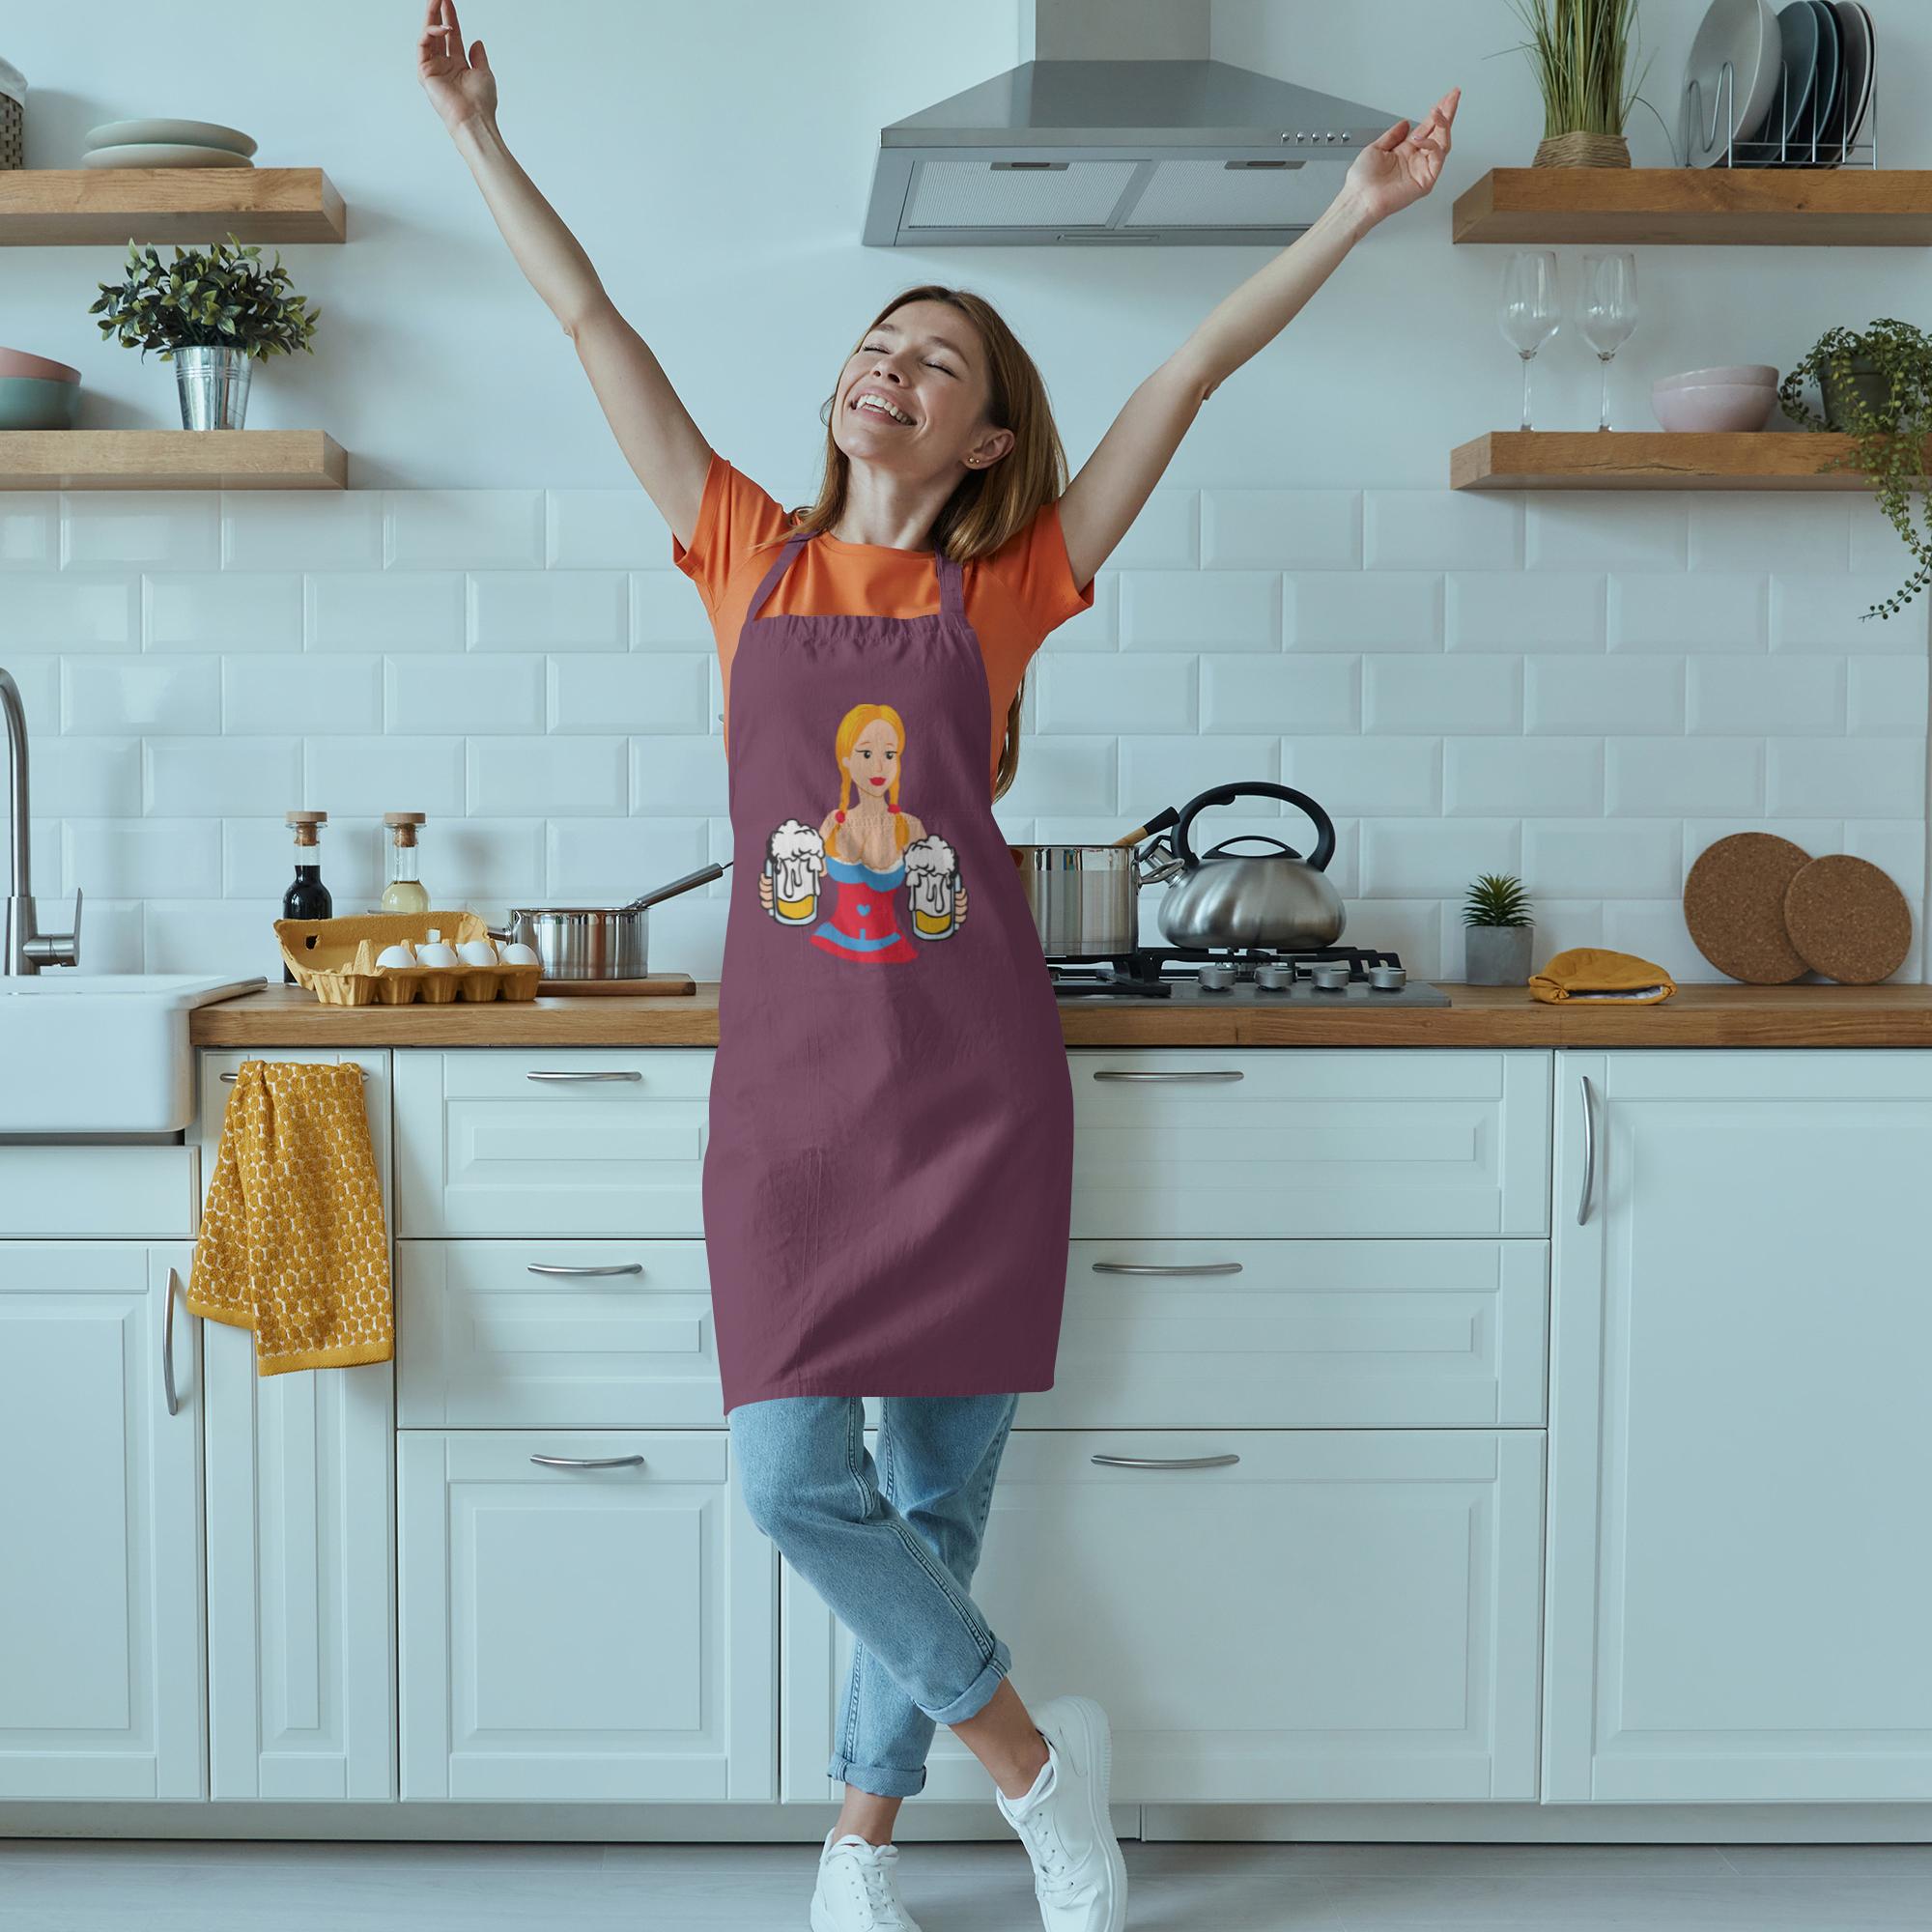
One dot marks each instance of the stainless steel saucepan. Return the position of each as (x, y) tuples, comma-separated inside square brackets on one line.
[(595, 942)]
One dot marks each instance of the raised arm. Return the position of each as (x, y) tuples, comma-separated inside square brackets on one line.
[(652, 426), (1113, 484)]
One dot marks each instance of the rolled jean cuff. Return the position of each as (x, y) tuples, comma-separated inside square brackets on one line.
[(883, 1781), (977, 1694)]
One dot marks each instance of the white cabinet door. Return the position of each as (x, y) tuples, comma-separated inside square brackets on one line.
[(1338, 1616), (583, 1634), (1741, 1428), (101, 1632)]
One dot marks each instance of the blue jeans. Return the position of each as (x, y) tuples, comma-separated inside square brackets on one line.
[(891, 1546)]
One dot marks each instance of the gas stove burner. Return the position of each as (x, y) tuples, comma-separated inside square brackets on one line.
[(1264, 975)]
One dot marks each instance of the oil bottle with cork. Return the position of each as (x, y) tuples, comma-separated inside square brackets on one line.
[(405, 890), (307, 898)]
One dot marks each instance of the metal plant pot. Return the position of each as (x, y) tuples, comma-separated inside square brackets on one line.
[(214, 387), (1496, 955)]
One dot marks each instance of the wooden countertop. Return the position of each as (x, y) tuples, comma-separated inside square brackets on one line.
[(1702, 1014)]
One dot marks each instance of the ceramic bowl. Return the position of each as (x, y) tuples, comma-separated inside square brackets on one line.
[(1705, 407), (18, 363), (30, 401), (1753, 374)]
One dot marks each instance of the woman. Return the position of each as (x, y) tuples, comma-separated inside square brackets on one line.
[(889, 1164)]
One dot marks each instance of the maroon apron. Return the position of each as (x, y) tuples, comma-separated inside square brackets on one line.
[(889, 1160)]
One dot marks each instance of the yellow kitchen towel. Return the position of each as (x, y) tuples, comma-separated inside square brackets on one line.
[(1597, 973), (292, 1243)]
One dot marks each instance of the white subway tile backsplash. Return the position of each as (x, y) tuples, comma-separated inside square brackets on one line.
[(1697, 613), (463, 529), (372, 776), (1604, 694), (1447, 693), (1281, 529), (456, 695), (258, 855), (1601, 859), (1414, 928), (1200, 611), (302, 530), (86, 778), (1755, 697), (546, 610), (604, 529), (667, 613), (1828, 614), (208, 778), (1654, 929), (1605, 529), (223, 611), (1896, 845), (1367, 777), (1560, 924), (1510, 611), (212, 936), (1390, 611), (1653, 778), (315, 695), (1852, 778), (1442, 530), (1804, 530), (1142, 693), (616, 859), (658, 693), (1064, 775), (178, 528), (1299, 692), (30, 530), (1495, 777), (142, 857), (136, 694), (39, 682), (1165, 535), (1097, 628), (362, 611), (509, 777), (677, 778), (1885, 696), (495, 859), (1876, 548), (1436, 858), (71, 611), (1169, 770)]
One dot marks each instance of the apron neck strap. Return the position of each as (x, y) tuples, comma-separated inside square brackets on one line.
[(780, 565), (951, 592), (952, 580)]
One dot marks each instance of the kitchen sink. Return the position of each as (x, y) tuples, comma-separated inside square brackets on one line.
[(102, 1053)]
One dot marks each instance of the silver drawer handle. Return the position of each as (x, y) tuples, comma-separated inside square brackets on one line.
[(1188, 1073), (610, 1267), (590, 1461), (362, 1070), (168, 1346), (1167, 1268), (574, 1075), (1167, 1462), (1589, 1152)]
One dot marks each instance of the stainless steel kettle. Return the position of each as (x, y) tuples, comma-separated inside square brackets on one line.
[(1221, 898)]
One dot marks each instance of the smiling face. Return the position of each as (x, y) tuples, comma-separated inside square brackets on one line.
[(925, 360), (874, 760)]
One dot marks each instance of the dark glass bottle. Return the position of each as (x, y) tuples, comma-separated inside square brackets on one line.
[(308, 898)]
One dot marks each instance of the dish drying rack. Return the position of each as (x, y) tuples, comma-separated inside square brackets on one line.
[(1763, 153)]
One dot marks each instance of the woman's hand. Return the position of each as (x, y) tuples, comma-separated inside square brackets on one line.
[(1404, 164), (460, 89)]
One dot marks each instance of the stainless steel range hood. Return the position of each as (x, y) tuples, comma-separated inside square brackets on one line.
[(1081, 145)]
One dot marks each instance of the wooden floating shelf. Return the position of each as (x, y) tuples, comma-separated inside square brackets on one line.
[(51, 207), (1855, 208), (1538, 459), (171, 459)]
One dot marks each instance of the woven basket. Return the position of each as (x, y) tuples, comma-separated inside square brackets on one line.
[(13, 133), (1582, 151)]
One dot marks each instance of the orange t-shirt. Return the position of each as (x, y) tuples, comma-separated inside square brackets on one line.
[(1014, 595)]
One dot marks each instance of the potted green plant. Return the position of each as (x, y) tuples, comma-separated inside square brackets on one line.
[(1875, 385), (1497, 932), (1582, 51), (212, 313)]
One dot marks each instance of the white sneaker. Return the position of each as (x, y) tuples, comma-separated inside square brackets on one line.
[(1078, 1874), (858, 1889)]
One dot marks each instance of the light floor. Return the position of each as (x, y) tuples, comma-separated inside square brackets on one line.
[(91, 1886)]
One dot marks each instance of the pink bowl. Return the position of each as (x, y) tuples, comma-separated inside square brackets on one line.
[(17, 362), (1706, 407), (1752, 375)]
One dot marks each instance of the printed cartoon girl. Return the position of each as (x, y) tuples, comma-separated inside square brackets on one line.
[(870, 847)]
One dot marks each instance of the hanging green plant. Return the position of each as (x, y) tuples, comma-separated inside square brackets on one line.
[(220, 298), (1875, 385)]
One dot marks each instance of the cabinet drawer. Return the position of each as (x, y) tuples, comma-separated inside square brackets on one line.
[(554, 1334), (1298, 1335), (99, 1193), (574, 1142), (1310, 1142)]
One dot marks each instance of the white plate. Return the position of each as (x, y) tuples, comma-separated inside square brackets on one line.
[(195, 134), (163, 155), (1745, 33)]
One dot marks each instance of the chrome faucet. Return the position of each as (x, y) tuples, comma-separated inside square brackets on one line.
[(23, 949)]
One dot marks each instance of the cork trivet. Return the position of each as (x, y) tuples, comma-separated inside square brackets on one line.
[(1848, 919), (1733, 905)]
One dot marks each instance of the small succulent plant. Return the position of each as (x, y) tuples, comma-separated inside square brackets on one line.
[(1496, 900), (218, 299)]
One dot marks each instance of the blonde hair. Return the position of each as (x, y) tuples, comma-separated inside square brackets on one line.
[(990, 505), (850, 726)]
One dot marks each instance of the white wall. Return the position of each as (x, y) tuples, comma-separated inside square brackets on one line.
[(1583, 688)]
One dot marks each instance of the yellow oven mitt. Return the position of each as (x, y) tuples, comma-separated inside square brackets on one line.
[(292, 1243), (1597, 973)]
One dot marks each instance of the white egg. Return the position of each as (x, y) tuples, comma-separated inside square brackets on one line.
[(433, 953), (476, 952), (516, 953), (394, 956)]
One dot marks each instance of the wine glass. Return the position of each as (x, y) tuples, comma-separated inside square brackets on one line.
[(1527, 312), (1609, 312)]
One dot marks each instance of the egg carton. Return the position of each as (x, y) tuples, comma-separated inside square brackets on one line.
[(335, 960)]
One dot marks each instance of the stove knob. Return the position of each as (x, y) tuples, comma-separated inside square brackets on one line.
[(1387, 978), (1331, 976), (1216, 975), (1275, 976)]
